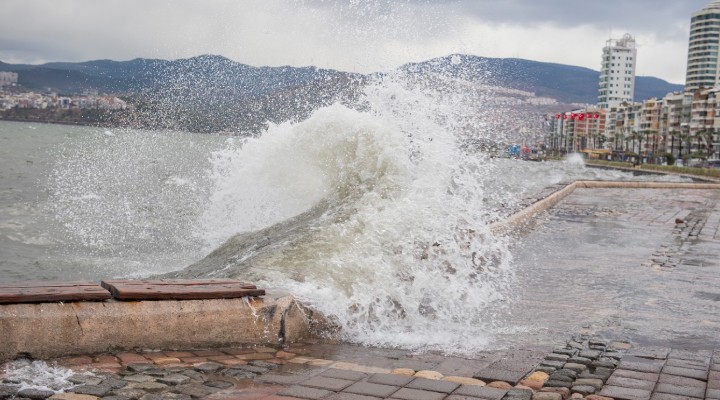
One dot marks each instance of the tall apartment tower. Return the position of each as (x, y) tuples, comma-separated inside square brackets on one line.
[(703, 61), (617, 75)]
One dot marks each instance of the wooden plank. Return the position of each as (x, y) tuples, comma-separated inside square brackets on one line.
[(46, 293), (180, 289), (176, 282), (41, 284)]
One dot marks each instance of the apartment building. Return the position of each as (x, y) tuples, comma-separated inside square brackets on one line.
[(704, 44), (617, 74)]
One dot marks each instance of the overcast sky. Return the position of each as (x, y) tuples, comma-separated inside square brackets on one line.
[(349, 35)]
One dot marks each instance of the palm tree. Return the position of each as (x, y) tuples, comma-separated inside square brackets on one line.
[(673, 135)]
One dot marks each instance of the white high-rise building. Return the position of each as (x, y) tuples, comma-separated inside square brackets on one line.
[(617, 75), (703, 59)]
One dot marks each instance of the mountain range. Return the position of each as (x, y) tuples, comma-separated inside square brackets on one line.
[(564, 83), (211, 92)]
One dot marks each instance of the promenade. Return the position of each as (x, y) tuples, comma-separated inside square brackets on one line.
[(623, 305)]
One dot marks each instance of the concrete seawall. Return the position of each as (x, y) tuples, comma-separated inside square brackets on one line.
[(47, 330), (525, 215)]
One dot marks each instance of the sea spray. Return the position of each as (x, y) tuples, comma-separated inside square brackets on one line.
[(376, 215)]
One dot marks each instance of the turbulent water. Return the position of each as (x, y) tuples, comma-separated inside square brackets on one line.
[(376, 214)]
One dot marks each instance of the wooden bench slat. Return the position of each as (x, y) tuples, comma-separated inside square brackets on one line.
[(182, 292), (53, 294), (175, 282), (42, 284)]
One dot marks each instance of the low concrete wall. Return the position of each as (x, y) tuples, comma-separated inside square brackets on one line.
[(47, 330), (525, 215)]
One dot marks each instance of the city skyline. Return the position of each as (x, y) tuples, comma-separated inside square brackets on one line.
[(355, 36)]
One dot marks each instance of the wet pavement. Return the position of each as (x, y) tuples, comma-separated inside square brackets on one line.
[(616, 297)]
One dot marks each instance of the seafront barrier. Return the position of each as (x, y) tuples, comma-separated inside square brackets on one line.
[(55, 329)]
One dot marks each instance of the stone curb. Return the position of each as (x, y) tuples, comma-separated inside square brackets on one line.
[(525, 215)]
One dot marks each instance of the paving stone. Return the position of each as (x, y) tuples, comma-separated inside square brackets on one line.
[(575, 367), (174, 379), (552, 363), (688, 364), (239, 373), (604, 364), (623, 393), (139, 378), (583, 389), (666, 396), (350, 396), (371, 389), (92, 390), (345, 374), (219, 384), (557, 383), (208, 367), (139, 368), (251, 368), (561, 377), (691, 354), (518, 394), (305, 392), (545, 369), (681, 381), (596, 383), (589, 354), (194, 390), (686, 372), (712, 393), (641, 365), (556, 357), (114, 383), (35, 394), (645, 376), (631, 383), (281, 379), (547, 396), (391, 379), (84, 379), (650, 352), (152, 387), (133, 394), (567, 352), (332, 384), (482, 392), (263, 364), (74, 396), (415, 394), (687, 391), (433, 385), (490, 374)]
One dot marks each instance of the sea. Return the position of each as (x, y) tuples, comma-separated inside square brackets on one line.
[(376, 214)]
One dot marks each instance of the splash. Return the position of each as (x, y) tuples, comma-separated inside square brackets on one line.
[(575, 159), (376, 215), (26, 374)]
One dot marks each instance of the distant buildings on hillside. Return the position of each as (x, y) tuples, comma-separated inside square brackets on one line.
[(8, 78), (53, 100), (683, 124)]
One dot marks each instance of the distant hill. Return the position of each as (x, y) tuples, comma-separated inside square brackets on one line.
[(565, 83)]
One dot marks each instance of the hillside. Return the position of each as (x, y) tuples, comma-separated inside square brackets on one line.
[(564, 83)]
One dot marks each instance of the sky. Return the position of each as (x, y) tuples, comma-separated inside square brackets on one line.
[(348, 35)]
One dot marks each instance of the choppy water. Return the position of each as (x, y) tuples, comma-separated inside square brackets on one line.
[(377, 214)]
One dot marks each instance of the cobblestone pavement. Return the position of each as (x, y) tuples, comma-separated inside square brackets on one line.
[(586, 367)]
